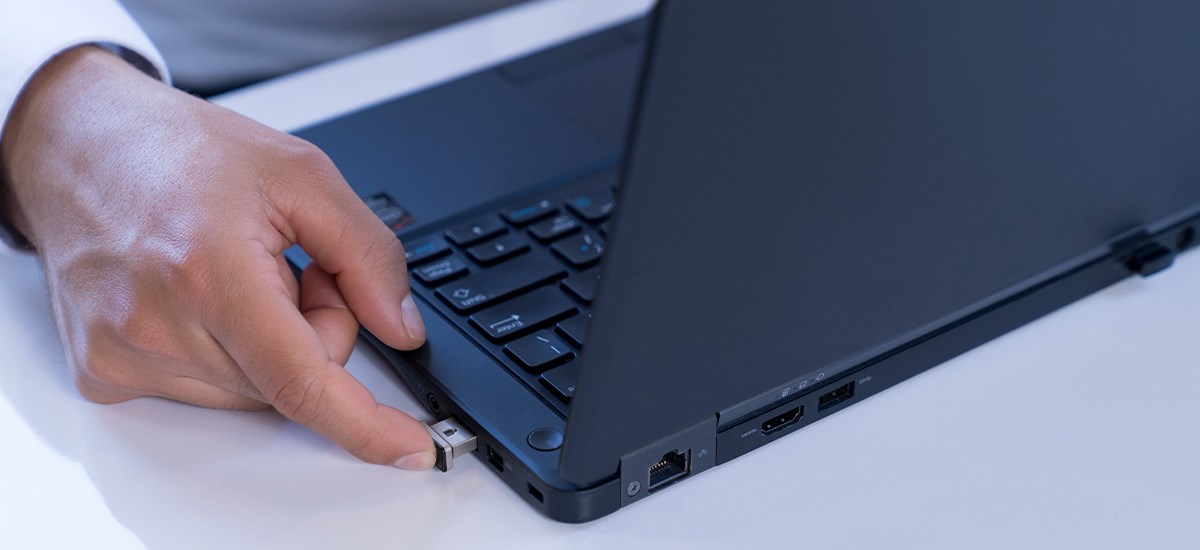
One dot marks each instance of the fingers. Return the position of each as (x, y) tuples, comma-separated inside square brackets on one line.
[(289, 279), (159, 384), (286, 358), (347, 240), (324, 308), (204, 394)]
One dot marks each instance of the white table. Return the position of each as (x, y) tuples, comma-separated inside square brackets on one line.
[(1077, 431)]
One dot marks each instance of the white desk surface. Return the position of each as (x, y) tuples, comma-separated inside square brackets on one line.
[(1077, 431)]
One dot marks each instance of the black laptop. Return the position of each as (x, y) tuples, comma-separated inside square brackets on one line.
[(648, 251)]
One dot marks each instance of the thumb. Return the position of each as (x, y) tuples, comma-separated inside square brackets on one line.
[(290, 363), (345, 238)]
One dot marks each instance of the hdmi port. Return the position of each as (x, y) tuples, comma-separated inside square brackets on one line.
[(782, 421)]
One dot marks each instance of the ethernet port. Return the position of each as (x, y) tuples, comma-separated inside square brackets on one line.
[(673, 467)]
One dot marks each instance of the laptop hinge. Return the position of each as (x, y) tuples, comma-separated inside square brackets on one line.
[(669, 460)]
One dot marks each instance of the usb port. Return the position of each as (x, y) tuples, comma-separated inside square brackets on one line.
[(782, 421), (838, 395)]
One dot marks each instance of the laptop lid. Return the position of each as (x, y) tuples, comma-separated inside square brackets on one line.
[(812, 184)]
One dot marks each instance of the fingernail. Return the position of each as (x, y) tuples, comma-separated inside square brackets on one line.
[(412, 318), (422, 460)]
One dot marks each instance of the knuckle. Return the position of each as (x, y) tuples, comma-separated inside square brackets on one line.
[(299, 398), (97, 366), (308, 158), (92, 390), (187, 271), (144, 332)]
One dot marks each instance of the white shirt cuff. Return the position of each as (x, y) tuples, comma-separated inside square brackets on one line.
[(33, 32)]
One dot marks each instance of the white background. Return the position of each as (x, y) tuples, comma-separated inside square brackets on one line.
[(1077, 431)]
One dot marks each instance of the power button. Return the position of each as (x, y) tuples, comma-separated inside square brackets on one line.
[(545, 439)]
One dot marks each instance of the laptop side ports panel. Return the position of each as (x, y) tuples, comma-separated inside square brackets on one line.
[(669, 461), (779, 420), (836, 393)]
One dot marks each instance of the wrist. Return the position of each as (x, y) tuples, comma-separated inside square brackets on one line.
[(33, 147)]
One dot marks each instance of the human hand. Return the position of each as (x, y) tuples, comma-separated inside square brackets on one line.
[(161, 222)]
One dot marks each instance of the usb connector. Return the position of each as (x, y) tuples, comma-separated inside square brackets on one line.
[(451, 439)]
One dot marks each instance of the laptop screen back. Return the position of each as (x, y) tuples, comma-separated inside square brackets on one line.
[(812, 184)]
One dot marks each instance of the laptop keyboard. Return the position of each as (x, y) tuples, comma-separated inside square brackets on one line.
[(519, 280)]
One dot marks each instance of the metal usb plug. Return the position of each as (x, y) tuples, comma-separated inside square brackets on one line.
[(451, 439)]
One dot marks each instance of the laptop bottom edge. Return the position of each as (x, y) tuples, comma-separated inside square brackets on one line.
[(536, 480)]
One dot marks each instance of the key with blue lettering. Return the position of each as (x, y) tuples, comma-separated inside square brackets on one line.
[(580, 250), (441, 270), (423, 250), (594, 206), (528, 213)]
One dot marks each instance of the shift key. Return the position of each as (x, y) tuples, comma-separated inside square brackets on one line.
[(497, 283)]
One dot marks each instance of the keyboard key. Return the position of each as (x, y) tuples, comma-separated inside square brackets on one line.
[(539, 350), (392, 216), (528, 213), (501, 248), (441, 270), (561, 380), (583, 284), (483, 288), (379, 202), (478, 230), (553, 228), (594, 206), (391, 213), (579, 250), (423, 250), (523, 313), (575, 328)]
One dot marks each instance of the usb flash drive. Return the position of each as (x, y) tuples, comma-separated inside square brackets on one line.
[(452, 440)]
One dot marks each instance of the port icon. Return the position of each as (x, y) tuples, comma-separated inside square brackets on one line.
[(673, 467), (782, 421)]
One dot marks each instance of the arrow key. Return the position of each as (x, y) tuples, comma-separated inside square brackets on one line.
[(579, 250), (472, 232), (539, 350), (499, 249), (561, 380)]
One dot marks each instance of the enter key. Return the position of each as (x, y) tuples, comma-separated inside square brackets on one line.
[(523, 314)]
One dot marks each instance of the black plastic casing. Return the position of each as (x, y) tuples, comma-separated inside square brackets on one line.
[(818, 193), (813, 186)]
